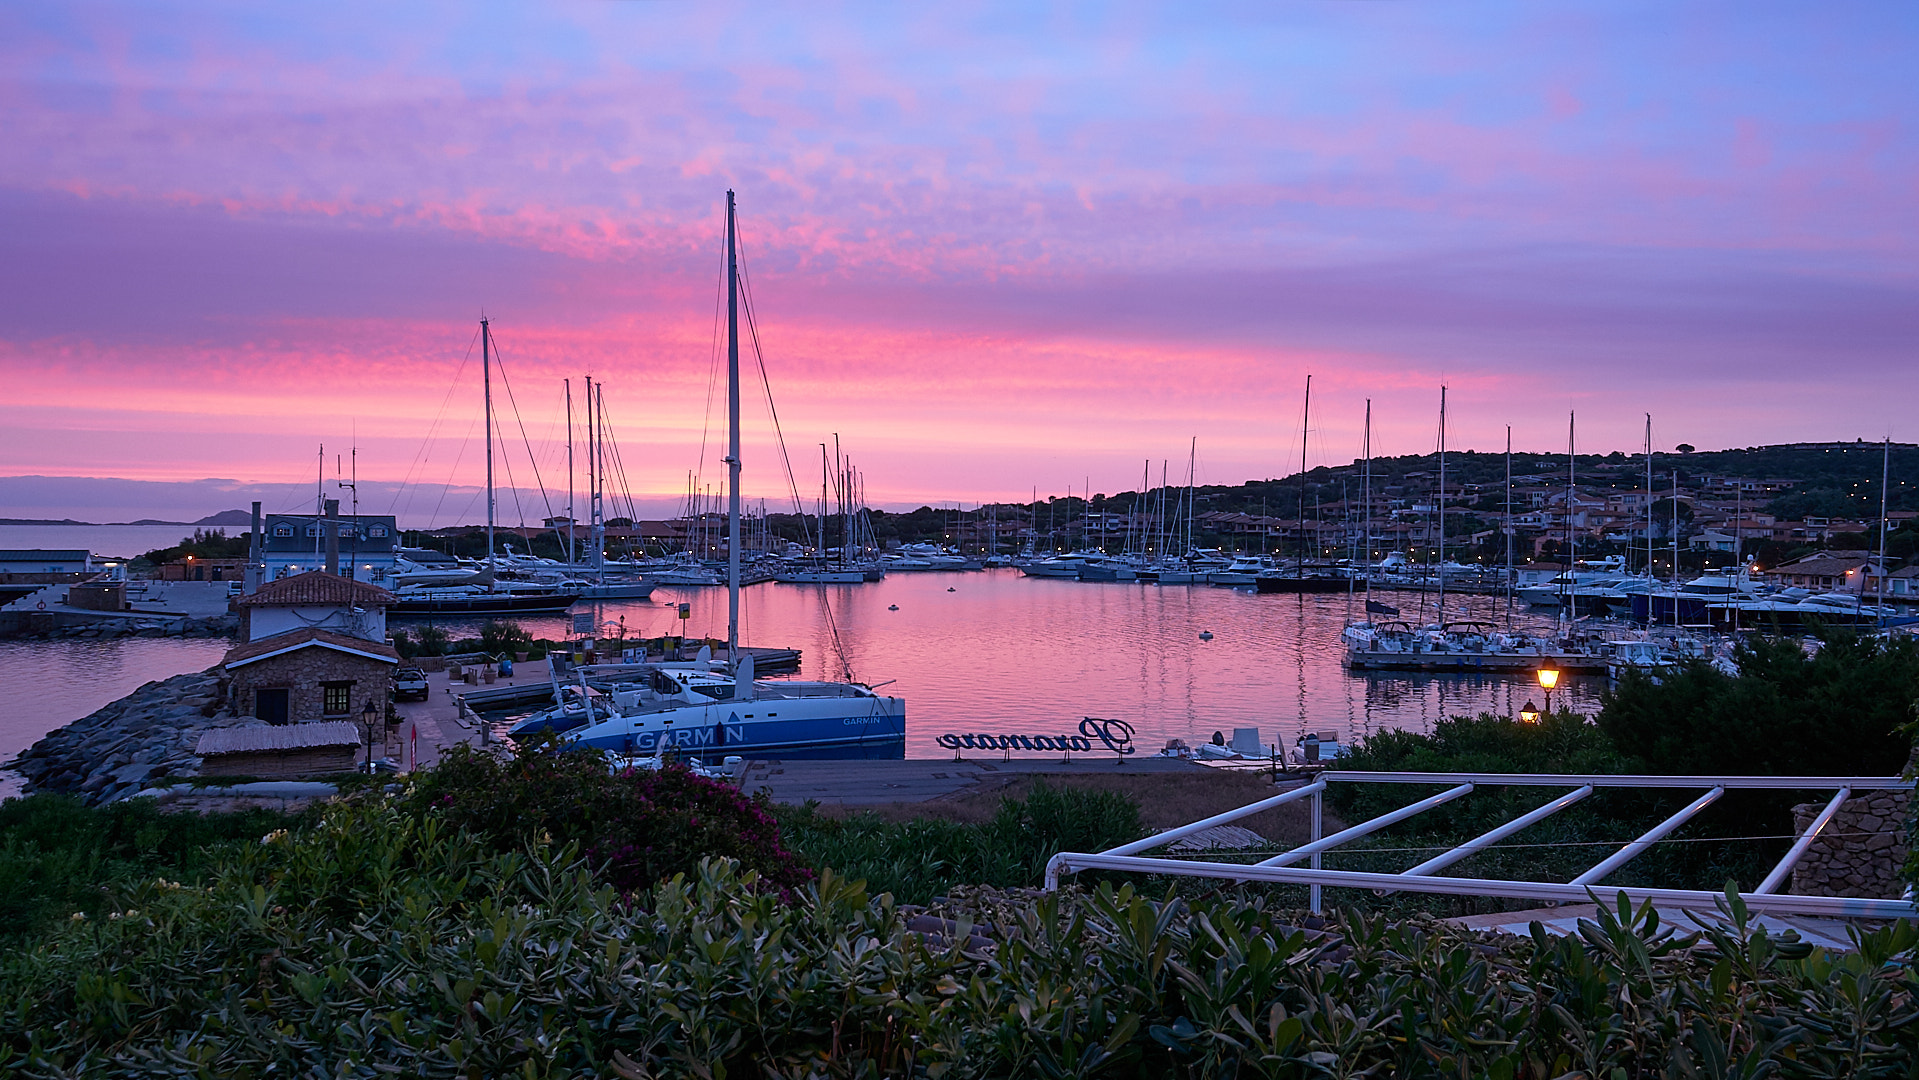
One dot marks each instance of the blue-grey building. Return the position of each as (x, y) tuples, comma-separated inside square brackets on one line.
[(296, 543)]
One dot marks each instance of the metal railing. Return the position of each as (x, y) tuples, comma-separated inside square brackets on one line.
[(1424, 877)]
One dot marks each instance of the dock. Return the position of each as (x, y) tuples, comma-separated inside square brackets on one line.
[(1460, 663)]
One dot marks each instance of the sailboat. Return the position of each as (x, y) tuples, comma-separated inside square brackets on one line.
[(1276, 580), (490, 595), (708, 715)]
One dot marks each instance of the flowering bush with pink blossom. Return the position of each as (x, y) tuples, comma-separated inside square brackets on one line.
[(635, 827)]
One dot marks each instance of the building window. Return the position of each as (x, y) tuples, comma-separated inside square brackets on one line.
[(313, 530), (283, 529), (376, 530), (336, 698)]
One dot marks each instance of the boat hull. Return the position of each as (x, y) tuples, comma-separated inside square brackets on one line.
[(1301, 585), (831, 728), (618, 591), (501, 604)]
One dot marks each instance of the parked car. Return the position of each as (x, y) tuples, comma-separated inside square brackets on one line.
[(409, 683)]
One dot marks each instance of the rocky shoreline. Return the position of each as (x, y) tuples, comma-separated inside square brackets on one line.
[(116, 752), (204, 627)]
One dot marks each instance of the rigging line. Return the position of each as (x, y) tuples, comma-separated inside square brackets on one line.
[(424, 452), (524, 439), (766, 386), (465, 441), (715, 349), (792, 482), (512, 485), (611, 447)]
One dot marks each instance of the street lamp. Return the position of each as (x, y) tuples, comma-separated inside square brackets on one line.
[(369, 714), (1548, 678), (1529, 713)]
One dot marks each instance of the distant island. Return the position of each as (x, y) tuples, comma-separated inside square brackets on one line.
[(224, 517)]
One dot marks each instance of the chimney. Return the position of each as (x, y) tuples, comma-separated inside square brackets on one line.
[(255, 554), (333, 536)]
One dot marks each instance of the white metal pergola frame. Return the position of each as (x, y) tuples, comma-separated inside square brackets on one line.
[(1766, 898)]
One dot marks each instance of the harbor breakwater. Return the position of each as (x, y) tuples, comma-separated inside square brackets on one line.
[(116, 751), (46, 626)]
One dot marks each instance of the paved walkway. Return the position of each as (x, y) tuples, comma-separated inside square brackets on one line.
[(428, 727), (148, 599)]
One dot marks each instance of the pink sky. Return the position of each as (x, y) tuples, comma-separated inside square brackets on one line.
[(991, 248)]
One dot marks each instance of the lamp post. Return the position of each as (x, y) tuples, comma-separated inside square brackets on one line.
[(1529, 713), (369, 714), (1548, 678)]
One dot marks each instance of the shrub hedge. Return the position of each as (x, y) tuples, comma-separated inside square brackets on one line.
[(384, 943)]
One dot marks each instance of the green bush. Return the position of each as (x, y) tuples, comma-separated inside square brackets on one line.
[(498, 637), (920, 859), (59, 856), (635, 827), (381, 943), (1837, 712)]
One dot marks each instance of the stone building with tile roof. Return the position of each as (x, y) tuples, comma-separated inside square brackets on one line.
[(315, 651)]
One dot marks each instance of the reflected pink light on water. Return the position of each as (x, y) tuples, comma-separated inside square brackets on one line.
[(1006, 653)]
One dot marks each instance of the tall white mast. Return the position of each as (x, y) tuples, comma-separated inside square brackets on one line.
[(733, 437), (1885, 486), (572, 555), (1572, 537), (1441, 506), (1509, 525), (486, 378)]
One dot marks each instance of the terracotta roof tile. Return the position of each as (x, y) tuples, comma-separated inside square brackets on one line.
[(316, 588), (252, 650)]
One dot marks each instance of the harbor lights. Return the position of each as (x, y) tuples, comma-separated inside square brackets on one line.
[(369, 714), (1548, 678)]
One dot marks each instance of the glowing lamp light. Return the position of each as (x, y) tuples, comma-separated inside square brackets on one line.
[(1548, 678), (1529, 713)]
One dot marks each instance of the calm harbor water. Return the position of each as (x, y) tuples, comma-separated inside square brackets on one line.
[(48, 684), (1003, 653), (1000, 653)]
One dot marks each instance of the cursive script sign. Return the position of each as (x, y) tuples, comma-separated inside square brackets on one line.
[(1115, 735)]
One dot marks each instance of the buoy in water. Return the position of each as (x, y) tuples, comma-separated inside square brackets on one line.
[(892, 607), (1205, 635), (949, 588)]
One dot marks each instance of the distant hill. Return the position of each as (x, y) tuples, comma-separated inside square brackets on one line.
[(227, 517), (43, 521), (224, 517)]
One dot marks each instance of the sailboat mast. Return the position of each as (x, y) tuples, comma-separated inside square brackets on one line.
[(1192, 466), (571, 555), (1572, 539), (732, 436), (1509, 525), (1305, 422), (1366, 495), (1885, 486), (486, 379), (1649, 502), (1440, 505)]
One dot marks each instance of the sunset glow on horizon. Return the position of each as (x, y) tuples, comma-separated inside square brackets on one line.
[(991, 248)]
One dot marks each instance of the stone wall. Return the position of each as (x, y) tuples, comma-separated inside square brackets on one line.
[(303, 672), (1860, 851)]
